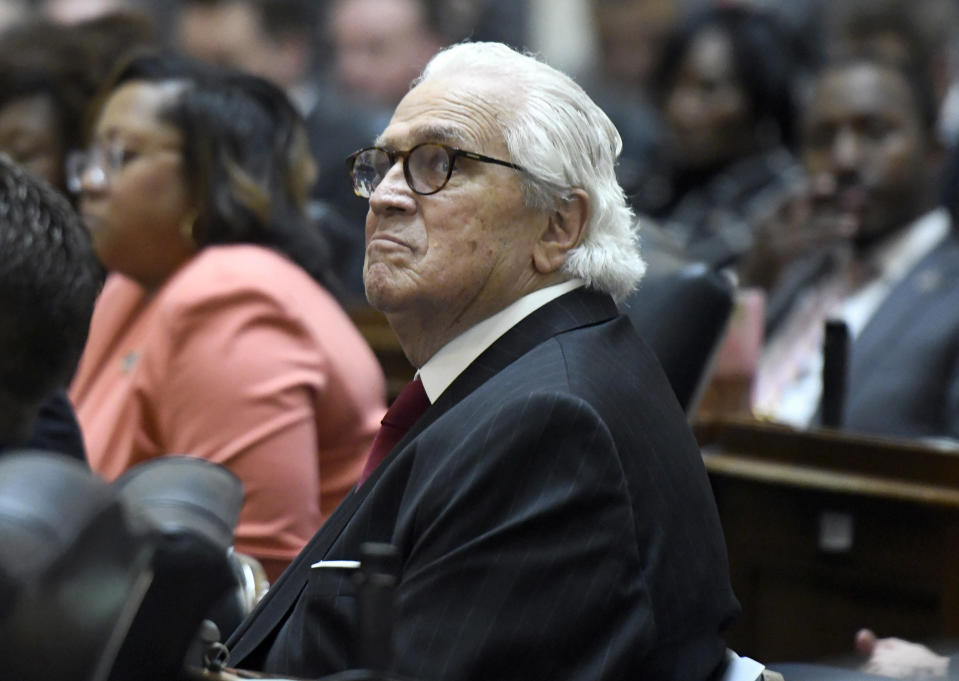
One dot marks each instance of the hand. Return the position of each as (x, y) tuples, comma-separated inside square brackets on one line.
[(805, 220), (898, 658)]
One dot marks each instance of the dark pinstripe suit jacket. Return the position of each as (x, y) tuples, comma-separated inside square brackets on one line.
[(553, 518), (904, 370)]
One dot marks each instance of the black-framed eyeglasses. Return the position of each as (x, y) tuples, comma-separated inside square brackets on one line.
[(427, 167)]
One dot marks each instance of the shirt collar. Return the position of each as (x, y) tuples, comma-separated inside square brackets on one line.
[(452, 359), (895, 257)]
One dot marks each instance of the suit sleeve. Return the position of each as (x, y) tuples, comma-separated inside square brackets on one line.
[(234, 382), (526, 528)]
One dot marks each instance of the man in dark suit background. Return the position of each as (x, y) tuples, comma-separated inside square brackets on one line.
[(865, 243), (49, 279), (550, 508)]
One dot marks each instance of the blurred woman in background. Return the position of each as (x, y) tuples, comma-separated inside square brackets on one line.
[(216, 334), (725, 88)]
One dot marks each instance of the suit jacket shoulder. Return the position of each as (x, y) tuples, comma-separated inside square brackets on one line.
[(553, 521), (904, 373)]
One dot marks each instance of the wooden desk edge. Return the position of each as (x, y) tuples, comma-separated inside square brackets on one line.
[(794, 475)]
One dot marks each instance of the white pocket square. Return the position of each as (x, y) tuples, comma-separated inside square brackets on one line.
[(336, 564)]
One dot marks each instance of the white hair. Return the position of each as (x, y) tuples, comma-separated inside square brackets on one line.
[(564, 141)]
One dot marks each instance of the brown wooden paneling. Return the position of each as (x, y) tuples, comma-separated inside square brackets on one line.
[(829, 532)]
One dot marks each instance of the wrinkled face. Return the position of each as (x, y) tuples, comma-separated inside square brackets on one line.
[(457, 256), (706, 107), (864, 146), (135, 211), (29, 135), (380, 46)]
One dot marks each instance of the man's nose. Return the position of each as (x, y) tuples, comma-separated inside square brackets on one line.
[(846, 151), (393, 192)]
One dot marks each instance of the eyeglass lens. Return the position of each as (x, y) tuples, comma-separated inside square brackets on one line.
[(78, 163), (426, 168), (102, 162)]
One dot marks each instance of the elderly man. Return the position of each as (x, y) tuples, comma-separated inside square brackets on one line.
[(550, 508)]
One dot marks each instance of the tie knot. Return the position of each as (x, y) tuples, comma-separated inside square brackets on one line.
[(408, 406)]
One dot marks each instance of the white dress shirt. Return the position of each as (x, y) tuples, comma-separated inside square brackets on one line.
[(452, 359)]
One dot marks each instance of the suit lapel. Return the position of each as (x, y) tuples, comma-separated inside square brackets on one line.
[(933, 275), (282, 595), (575, 309)]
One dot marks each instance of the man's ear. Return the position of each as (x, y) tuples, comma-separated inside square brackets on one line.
[(564, 231)]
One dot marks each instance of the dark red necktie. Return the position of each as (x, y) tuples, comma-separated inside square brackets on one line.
[(408, 406)]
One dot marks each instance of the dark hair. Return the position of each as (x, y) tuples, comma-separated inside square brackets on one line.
[(109, 39), (67, 64), (39, 60), (917, 81), (49, 279), (767, 57), (246, 158), (924, 28)]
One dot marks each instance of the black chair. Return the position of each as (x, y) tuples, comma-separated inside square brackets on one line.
[(681, 310), (73, 569), (192, 506)]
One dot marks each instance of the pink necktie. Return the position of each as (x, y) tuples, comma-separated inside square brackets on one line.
[(408, 406)]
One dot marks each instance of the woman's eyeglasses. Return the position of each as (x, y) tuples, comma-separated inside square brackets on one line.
[(103, 162)]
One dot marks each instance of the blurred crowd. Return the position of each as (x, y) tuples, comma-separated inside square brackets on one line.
[(806, 150)]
